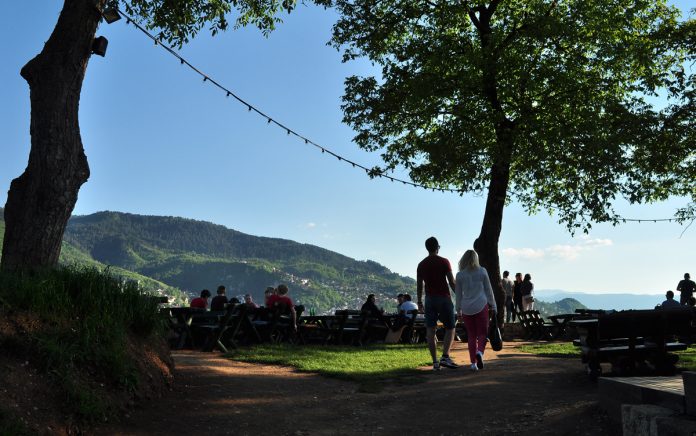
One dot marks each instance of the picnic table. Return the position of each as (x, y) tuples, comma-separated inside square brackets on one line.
[(633, 338), (561, 323), (323, 329), (180, 320)]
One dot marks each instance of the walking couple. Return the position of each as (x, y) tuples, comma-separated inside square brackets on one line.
[(474, 294)]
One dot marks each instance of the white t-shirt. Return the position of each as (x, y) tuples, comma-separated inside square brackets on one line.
[(406, 306)]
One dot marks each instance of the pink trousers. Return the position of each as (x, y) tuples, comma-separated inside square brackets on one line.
[(476, 332)]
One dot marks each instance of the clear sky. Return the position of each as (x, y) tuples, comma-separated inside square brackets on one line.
[(161, 142)]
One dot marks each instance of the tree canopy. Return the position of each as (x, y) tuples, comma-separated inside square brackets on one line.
[(178, 21), (556, 100)]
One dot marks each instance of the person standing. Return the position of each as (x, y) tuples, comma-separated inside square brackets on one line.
[(517, 292), (508, 286), (686, 289), (434, 273), (474, 294), (527, 289)]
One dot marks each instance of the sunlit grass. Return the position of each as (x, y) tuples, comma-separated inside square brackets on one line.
[(555, 349), (367, 365), (687, 358)]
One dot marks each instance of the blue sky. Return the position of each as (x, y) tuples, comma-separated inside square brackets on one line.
[(162, 142)]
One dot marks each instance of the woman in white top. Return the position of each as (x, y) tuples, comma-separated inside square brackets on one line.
[(474, 295)]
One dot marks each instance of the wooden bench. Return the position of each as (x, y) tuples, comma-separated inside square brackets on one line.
[(633, 338), (535, 327)]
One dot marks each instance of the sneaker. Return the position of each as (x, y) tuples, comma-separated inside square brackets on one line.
[(473, 367), (448, 363), (436, 366), (479, 360)]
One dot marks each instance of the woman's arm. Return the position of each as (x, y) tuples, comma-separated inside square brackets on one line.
[(458, 293), (488, 289)]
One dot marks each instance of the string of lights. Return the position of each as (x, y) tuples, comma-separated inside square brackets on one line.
[(291, 132)]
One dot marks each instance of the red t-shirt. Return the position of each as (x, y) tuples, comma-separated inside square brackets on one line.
[(283, 299), (433, 271), (199, 302)]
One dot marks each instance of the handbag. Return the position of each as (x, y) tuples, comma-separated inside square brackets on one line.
[(494, 336)]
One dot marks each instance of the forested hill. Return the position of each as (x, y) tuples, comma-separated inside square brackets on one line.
[(193, 255), (107, 232)]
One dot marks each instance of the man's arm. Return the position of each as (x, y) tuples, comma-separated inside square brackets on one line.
[(419, 290), (450, 279)]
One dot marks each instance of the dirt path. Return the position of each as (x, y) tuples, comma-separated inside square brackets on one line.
[(516, 393)]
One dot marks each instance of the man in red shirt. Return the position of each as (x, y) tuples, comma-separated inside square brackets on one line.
[(202, 301), (436, 273)]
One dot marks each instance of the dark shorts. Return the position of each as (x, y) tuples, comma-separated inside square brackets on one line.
[(439, 307)]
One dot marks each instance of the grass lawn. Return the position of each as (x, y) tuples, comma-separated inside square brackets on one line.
[(369, 366), (687, 358), (552, 349)]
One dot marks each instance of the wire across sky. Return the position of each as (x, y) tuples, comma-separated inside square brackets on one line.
[(372, 173)]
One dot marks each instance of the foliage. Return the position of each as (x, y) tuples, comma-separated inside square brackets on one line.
[(549, 100), (367, 365), (177, 22), (83, 320)]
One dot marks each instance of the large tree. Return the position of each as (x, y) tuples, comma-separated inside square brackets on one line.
[(41, 200), (539, 101)]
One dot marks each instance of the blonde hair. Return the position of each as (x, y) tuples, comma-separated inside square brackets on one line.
[(470, 260)]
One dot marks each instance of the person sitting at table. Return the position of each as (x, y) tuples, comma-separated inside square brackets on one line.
[(407, 306), (270, 291), (249, 302), (202, 301), (218, 303), (670, 301), (370, 307), (400, 321), (281, 298), (399, 302)]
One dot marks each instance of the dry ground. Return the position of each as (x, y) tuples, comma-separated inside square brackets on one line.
[(516, 393)]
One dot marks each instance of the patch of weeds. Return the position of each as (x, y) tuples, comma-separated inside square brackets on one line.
[(88, 404), (10, 426)]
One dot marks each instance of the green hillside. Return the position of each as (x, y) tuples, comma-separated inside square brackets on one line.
[(566, 305), (193, 255)]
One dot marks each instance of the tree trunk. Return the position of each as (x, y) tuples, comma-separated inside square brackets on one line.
[(486, 245), (41, 200)]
